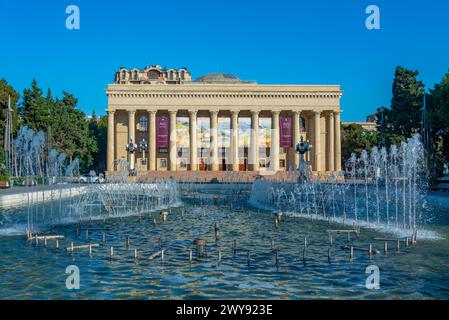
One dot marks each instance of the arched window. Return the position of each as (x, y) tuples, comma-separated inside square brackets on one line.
[(136, 75), (143, 123), (171, 75), (123, 74), (183, 75), (154, 75)]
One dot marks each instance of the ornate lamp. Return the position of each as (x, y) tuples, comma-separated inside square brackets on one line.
[(143, 147)]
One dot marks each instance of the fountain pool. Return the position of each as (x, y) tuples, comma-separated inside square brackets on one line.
[(30, 271), (239, 240)]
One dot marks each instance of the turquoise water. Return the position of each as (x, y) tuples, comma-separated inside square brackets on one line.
[(28, 271)]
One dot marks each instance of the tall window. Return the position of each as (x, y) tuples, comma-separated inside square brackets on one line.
[(123, 75), (302, 124), (182, 75), (171, 75), (136, 75), (143, 123)]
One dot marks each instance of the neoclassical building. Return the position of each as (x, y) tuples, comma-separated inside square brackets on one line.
[(160, 119)]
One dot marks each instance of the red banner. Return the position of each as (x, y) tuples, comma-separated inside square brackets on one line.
[(286, 132), (162, 132)]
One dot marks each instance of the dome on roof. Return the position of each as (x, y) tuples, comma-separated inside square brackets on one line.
[(218, 78)]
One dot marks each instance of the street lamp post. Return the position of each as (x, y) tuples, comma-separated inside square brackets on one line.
[(143, 147)]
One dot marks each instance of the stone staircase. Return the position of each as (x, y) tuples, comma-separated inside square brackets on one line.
[(220, 176)]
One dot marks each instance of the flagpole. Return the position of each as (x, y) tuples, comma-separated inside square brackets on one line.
[(7, 138), (11, 138)]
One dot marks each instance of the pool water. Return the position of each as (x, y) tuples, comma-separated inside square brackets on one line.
[(28, 271)]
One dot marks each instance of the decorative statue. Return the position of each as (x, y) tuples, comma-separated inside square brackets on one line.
[(131, 148), (301, 148)]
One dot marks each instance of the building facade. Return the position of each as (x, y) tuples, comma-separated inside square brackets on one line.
[(218, 122)]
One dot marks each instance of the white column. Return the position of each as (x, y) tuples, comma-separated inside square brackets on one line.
[(317, 140), (331, 139), (131, 136), (235, 140), (111, 140), (193, 142), (254, 143), (296, 137), (274, 149), (214, 140), (337, 141), (152, 139), (173, 151)]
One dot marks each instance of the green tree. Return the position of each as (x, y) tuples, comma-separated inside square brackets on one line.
[(98, 130), (35, 110), (438, 111), (70, 131), (355, 139), (403, 118)]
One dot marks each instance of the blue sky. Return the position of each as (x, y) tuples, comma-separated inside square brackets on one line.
[(285, 42)]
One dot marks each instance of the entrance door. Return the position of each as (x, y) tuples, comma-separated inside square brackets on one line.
[(243, 164), (222, 165), (202, 165), (163, 164)]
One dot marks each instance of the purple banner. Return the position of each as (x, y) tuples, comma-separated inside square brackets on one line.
[(286, 132), (162, 132)]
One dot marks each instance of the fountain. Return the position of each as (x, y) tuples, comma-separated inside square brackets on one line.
[(381, 190), (65, 200), (375, 180)]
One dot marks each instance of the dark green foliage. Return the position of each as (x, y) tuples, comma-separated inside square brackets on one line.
[(438, 113), (70, 131), (403, 118), (66, 127), (355, 139), (98, 128)]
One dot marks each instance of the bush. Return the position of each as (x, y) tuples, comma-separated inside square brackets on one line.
[(4, 178), (18, 181), (214, 180), (40, 180), (3, 170)]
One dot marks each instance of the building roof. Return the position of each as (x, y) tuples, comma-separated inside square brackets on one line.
[(218, 78)]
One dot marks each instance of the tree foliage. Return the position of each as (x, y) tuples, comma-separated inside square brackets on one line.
[(355, 139), (70, 130), (35, 110), (66, 127), (438, 110), (98, 128), (403, 118)]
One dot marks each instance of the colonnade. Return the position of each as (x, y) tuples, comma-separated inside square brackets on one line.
[(333, 144)]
